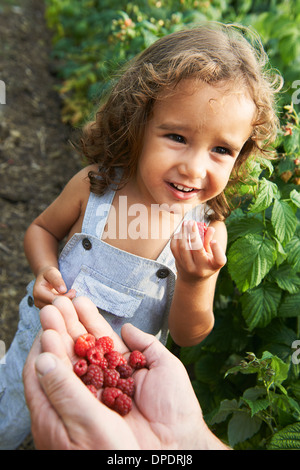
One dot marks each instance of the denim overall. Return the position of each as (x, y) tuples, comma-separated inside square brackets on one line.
[(126, 289)]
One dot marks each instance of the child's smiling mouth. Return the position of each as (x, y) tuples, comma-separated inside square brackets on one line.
[(181, 191)]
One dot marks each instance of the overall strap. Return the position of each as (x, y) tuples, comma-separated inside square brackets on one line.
[(97, 210), (96, 213)]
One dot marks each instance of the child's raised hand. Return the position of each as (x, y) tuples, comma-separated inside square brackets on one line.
[(48, 285), (196, 259)]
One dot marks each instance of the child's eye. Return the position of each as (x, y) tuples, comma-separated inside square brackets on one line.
[(222, 150), (176, 138)]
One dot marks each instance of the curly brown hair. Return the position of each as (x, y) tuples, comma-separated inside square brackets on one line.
[(211, 53)]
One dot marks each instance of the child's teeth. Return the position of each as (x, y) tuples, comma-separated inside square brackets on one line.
[(182, 188)]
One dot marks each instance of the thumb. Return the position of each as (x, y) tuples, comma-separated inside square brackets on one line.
[(67, 394), (62, 387), (54, 277), (155, 352)]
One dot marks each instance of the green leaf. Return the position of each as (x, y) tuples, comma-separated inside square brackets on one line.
[(250, 259), (278, 333), (291, 142), (226, 408), (281, 370), (257, 405), (242, 427), (286, 278), (287, 438), (284, 220), (259, 306), (266, 193), (241, 226), (290, 306), (292, 249), (295, 197)]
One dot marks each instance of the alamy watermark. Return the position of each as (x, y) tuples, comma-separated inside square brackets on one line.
[(138, 221), (296, 94), (2, 92), (296, 354), (2, 352)]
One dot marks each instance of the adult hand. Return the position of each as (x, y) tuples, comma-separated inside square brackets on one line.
[(65, 414)]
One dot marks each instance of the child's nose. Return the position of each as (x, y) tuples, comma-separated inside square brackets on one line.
[(195, 166)]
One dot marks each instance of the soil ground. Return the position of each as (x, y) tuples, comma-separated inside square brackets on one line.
[(36, 159)]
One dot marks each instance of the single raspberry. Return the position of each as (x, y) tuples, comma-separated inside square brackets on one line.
[(80, 368), (83, 343), (123, 404), (126, 386), (103, 363), (109, 396), (137, 360), (114, 359), (125, 370), (94, 355), (94, 376), (93, 389), (111, 377), (106, 344)]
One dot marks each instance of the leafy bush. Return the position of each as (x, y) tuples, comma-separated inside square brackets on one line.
[(94, 38), (246, 373)]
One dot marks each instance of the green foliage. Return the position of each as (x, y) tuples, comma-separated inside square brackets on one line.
[(93, 39), (246, 372)]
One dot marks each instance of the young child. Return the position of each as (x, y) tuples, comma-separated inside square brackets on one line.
[(186, 113)]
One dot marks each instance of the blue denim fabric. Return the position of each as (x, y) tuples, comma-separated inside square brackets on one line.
[(14, 414), (125, 288)]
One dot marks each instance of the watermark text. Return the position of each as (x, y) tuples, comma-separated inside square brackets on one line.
[(2, 92), (2, 352), (296, 94), (296, 354)]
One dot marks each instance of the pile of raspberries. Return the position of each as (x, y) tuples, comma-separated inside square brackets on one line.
[(101, 367)]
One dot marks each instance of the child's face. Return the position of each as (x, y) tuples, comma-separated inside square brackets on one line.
[(191, 143)]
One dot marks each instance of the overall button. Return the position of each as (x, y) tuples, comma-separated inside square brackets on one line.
[(86, 244), (162, 273), (30, 301)]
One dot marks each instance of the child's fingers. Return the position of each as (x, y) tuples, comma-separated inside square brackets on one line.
[(71, 294), (219, 257), (208, 238), (54, 278), (43, 295), (189, 241), (196, 242)]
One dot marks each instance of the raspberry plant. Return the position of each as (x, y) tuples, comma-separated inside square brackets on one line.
[(251, 399)]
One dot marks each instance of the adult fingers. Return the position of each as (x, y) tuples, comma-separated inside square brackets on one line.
[(156, 354), (89, 316), (69, 314)]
